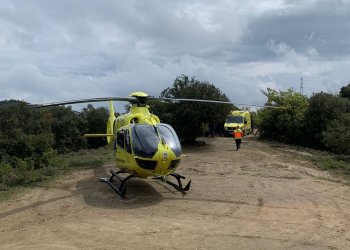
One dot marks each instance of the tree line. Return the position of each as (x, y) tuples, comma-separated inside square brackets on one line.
[(32, 139), (321, 121)]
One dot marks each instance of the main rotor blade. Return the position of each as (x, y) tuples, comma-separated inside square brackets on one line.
[(211, 101), (136, 99), (100, 99)]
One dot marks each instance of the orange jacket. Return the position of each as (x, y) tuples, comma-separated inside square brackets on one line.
[(237, 134)]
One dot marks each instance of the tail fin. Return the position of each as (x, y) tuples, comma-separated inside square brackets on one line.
[(110, 123)]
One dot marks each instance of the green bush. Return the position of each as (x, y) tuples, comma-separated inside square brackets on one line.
[(18, 171), (323, 109), (284, 124), (337, 135), (5, 171)]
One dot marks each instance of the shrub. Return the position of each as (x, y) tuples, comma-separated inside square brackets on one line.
[(323, 108), (337, 135)]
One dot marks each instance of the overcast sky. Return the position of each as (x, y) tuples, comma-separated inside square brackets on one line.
[(62, 49)]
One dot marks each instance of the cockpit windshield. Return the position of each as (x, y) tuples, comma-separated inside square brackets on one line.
[(170, 137), (234, 119), (145, 140)]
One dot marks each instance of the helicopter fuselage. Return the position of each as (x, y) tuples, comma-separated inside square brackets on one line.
[(144, 146)]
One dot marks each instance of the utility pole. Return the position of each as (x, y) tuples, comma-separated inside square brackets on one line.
[(301, 85)]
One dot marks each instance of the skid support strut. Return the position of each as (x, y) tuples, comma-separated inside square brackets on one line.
[(177, 186), (121, 188)]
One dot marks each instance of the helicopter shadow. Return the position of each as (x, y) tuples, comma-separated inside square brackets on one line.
[(139, 193), (98, 194)]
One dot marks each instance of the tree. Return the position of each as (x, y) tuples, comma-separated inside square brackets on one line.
[(283, 124), (95, 120), (66, 126), (337, 135), (23, 132), (25, 144), (323, 108), (345, 91), (187, 118)]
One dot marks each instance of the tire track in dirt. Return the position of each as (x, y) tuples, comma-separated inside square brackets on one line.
[(319, 220), (342, 216), (325, 205), (346, 225), (318, 223)]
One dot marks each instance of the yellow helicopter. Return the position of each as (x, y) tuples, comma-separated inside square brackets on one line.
[(144, 147)]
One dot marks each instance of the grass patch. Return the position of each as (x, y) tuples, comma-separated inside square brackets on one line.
[(89, 158), (328, 161), (5, 195), (331, 163), (335, 164)]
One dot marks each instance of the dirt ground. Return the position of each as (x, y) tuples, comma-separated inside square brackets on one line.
[(260, 197)]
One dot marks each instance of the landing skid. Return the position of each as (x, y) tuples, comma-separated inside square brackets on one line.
[(121, 189), (177, 186)]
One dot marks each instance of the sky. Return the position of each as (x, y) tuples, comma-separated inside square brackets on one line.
[(62, 50)]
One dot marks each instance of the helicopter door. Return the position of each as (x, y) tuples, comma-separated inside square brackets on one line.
[(127, 147), (120, 148)]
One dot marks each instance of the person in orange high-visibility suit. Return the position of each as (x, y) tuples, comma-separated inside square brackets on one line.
[(238, 135)]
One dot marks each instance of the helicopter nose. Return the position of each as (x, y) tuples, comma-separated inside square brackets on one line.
[(168, 161), (165, 157)]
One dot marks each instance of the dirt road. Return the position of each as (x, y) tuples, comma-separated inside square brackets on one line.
[(259, 197)]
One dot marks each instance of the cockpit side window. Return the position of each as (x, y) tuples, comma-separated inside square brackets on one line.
[(127, 142), (120, 138)]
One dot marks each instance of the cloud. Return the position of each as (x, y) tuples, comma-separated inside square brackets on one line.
[(59, 50)]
